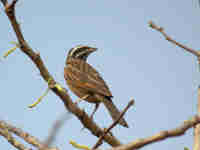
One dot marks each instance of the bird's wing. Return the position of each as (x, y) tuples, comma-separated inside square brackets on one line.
[(85, 76)]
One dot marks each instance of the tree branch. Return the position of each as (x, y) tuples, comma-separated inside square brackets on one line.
[(24, 135), (196, 145), (113, 124), (161, 135), (36, 59), (5, 133), (168, 38)]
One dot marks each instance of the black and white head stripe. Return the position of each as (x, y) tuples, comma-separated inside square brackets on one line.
[(80, 52)]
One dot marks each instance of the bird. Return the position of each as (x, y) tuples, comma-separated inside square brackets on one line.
[(86, 83)]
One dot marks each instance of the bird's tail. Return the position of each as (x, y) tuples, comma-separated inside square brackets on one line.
[(114, 112)]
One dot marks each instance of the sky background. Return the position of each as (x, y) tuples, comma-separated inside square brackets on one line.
[(135, 61)]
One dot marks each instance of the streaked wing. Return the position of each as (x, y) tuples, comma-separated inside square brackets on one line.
[(85, 76)]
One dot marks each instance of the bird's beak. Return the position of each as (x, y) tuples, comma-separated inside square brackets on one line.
[(92, 49)]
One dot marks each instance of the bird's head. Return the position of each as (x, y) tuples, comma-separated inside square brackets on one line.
[(80, 52)]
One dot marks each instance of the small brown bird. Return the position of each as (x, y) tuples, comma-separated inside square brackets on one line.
[(87, 83)]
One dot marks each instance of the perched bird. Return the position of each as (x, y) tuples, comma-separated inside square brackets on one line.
[(85, 82)]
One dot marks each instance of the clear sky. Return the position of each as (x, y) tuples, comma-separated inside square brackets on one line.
[(134, 60)]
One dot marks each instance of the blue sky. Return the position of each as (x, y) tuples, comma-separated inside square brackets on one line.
[(135, 61)]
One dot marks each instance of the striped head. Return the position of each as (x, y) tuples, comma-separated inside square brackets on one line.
[(80, 52)]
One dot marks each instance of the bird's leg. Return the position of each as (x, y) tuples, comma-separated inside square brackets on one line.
[(80, 99), (95, 109)]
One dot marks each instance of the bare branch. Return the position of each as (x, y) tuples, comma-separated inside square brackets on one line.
[(36, 59), (5, 133), (24, 135), (113, 124), (161, 135), (27, 137), (168, 38), (196, 145)]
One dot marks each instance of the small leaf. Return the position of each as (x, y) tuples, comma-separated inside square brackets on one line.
[(9, 51), (78, 146), (12, 49), (39, 99)]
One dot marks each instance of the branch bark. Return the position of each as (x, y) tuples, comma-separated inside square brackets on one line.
[(36, 59), (113, 125), (6, 130), (160, 136), (196, 145), (168, 38)]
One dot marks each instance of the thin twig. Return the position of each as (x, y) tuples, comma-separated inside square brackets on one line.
[(161, 135), (113, 124), (60, 92), (168, 38)]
